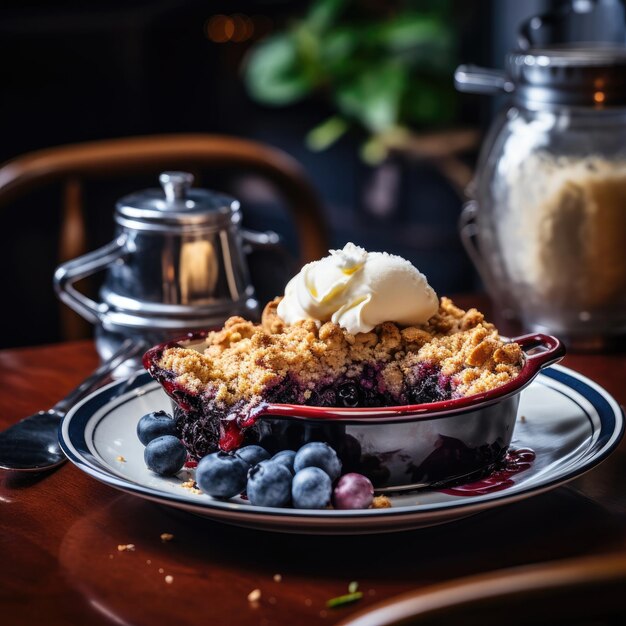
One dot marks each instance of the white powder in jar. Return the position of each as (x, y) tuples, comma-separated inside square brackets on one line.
[(564, 233)]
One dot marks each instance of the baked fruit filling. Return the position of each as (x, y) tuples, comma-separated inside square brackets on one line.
[(222, 386)]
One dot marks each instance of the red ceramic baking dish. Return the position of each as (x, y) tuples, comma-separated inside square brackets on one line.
[(397, 447)]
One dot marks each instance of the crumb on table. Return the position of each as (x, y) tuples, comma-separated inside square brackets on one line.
[(165, 537), (120, 458), (126, 547), (254, 595)]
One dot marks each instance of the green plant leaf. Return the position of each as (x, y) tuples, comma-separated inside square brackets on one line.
[(417, 39), (386, 71), (373, 151), (429, 102), (408, 31), (326, 133), (324, 13), (337, 49), (373, 98), (273, 73)]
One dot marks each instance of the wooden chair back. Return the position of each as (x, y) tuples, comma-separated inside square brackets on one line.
[(573, 592)]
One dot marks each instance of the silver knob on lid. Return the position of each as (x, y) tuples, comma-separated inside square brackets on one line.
[(175, 185), (177, 205)]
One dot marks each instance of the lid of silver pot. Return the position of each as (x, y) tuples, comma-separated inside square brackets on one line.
[(593, 75), (177, 204)]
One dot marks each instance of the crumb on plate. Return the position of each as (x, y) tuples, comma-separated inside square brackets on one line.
[(191, 486), (381, 502)]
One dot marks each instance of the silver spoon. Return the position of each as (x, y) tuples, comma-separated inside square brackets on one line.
[(32, 445)]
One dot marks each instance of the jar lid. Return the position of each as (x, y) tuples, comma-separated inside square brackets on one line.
[(176, 205), (569, 75)]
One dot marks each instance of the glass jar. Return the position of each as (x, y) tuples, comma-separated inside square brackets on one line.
[(547, 223)]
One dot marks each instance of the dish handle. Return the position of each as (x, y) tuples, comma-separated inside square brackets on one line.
[(540, 351)]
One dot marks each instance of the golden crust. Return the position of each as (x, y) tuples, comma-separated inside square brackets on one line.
[(243, 359)]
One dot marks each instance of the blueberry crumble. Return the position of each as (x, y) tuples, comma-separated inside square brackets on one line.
[(219, 387)]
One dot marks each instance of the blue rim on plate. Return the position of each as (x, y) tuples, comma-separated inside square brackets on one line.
[(606, 423)]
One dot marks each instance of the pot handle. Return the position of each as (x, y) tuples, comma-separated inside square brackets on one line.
[(261, 241), (468, 229), (551, 352), (269, 240), (474, 79), (68, 273)]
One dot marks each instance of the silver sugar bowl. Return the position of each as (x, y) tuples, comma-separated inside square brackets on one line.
[(177, 264)]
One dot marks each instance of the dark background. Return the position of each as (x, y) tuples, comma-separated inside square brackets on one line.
[(74, 72)]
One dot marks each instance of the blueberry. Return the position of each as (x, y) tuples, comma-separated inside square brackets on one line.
[(431, 385), (426, 390), (253, 454), (286, 458), (165, 455), (155, 424), (318, 454), (324, 397), (311, 489), (222, 474), (353, 491), (349, 395), (269, 484)]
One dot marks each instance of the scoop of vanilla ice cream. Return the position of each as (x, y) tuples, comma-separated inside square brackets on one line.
[(359, 290)]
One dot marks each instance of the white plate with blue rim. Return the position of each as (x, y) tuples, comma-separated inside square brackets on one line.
[(568, 422)]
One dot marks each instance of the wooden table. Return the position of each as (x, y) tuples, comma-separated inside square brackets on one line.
[(59, 535)]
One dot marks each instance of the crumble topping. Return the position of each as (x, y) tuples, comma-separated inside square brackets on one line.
[(243, 360)]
